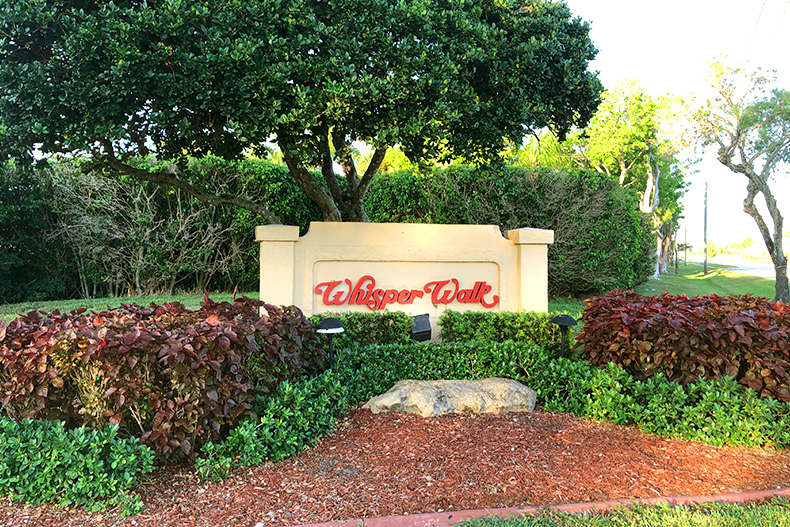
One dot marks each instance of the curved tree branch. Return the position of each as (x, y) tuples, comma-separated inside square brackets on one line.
[(372, 170), (113, 162), (314, 189), (345, 160), (326, 163)]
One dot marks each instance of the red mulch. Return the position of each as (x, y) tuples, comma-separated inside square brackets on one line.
[(389, 464)]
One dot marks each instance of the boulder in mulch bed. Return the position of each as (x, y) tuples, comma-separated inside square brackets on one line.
[(432, 398)]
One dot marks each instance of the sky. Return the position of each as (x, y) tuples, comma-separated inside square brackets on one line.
[(667, 46)]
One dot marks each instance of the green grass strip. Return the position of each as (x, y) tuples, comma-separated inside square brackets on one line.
[(11, 311), (772, 514)]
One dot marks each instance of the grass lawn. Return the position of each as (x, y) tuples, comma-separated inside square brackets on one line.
[(10, 311), (692, 282), (689, 281), (774, 514)]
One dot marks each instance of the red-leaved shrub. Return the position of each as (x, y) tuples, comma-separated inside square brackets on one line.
[(740, 336), (173, 377)]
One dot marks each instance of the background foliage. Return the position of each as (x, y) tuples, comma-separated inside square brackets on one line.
[(33, 265), (601, 241), (114, 236), (65, 232)]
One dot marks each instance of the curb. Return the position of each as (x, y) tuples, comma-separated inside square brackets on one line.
[(444, 519)]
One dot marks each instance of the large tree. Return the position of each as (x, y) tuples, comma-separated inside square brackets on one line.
[(175, 78), (748, 124), (623, 133), (627, 139)]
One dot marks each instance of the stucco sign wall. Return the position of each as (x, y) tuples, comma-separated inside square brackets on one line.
[(415, 268)]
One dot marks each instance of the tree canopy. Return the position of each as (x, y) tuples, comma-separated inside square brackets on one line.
[(442, 78), (627, 139)]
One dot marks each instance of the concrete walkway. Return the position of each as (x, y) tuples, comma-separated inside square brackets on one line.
[(446, 519)]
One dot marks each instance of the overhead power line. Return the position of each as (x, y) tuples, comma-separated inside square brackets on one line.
[(780, 21), (755, 26)]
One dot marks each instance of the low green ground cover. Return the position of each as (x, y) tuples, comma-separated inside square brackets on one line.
[(42, 461), (711, 411)]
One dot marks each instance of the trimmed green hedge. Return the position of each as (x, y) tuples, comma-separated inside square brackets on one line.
[(601, 240), (715, 412), (364, 329), (532, 327), (371, 328), (41, 461)]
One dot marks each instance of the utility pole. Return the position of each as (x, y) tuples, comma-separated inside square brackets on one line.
[(705, 230)]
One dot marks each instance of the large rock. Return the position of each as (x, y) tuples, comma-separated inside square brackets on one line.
[(431, 398)]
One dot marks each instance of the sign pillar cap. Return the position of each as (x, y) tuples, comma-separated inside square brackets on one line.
[(529, 236), (276, 233)]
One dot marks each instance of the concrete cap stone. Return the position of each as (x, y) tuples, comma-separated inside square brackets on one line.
[(528, 236), (276, 233)]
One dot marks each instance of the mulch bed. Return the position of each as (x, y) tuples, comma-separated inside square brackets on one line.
[(391, 464)]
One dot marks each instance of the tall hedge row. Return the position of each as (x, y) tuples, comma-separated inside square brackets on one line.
[(65, 233), (33, 266), (601, 240)]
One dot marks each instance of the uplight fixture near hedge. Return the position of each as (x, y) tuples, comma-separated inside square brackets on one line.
[(330, 326), (564, 322), (421, 327)]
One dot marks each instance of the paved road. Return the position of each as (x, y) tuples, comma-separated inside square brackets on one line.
[(746, 267), (761, 270)]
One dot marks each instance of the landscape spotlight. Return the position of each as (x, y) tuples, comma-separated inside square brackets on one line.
[(564, 322), (330, 326), (421, 328)]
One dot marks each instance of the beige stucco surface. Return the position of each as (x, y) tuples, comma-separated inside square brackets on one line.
[(418, 268)]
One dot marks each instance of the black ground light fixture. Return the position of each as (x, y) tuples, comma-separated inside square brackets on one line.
[(564, 322), (421, 328), (330, 326)]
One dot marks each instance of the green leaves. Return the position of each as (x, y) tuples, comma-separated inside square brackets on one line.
[(441, 78), (41, 461), (530, 327), (390, 327)]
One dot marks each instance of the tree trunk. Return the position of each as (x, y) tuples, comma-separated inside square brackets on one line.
[(657, 271), (666, 253), (782, 285), (773, 242), (84, 289)]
